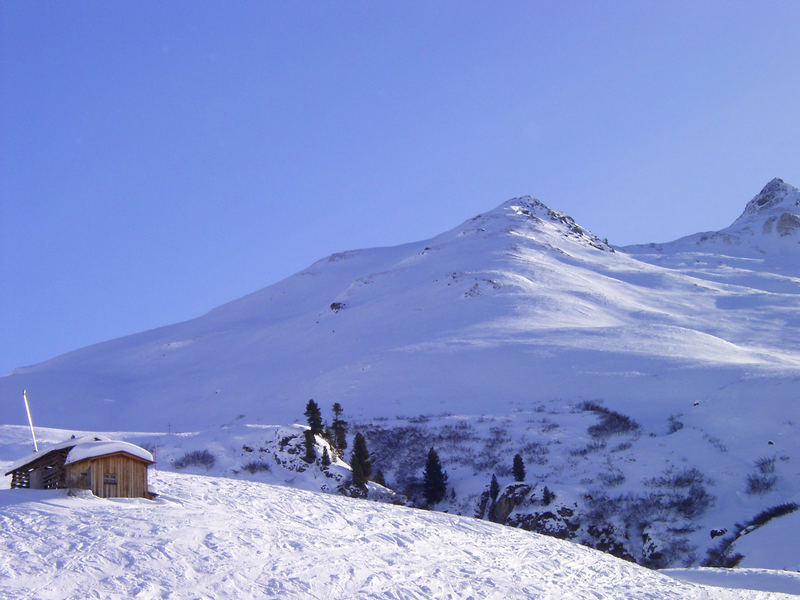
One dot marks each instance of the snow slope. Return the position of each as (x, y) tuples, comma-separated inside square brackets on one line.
[(216, 538), (516, 306), (656, 494)]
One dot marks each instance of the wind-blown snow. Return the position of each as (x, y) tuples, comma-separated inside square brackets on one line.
[(218, 538)]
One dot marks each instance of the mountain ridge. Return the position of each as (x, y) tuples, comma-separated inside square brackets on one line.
[(521, 282), (768, 226)]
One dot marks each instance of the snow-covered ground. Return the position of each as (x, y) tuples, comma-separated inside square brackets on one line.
[(517, 331), (752, 579), (207, 537), (660, 506)]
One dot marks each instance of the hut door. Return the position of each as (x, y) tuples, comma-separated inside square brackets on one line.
[(110, 485), (36, 479)]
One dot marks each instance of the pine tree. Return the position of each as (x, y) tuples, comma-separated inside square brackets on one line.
[(358, 479), (327, 435), (339, 428), (379, 478), (519, 468), (361, 456), (326, 458), (314, 417), (311, 453), (494, 488), (434, 479)]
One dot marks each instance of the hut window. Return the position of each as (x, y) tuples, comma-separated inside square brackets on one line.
[(109, 479)]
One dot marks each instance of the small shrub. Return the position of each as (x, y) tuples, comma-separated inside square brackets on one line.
[(766, 465), (721, 556), (418, 420), (771, 513), (498, 437), (682, 479), (255, 466), (611, 479), (675, 424), (715, 442), (759, 483), (694, 503), (196, 458), (590, 406), (611, 422), (592, 447)]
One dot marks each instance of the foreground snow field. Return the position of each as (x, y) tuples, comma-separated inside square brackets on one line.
[(219, 538)]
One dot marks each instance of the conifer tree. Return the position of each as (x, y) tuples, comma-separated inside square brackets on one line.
[(314, 417), (494, 488), (434, 479), (361, 456), (311, 453), (326, 458), (358, 478), (379, 479), (339, 428), (327, 435), (519, 468)]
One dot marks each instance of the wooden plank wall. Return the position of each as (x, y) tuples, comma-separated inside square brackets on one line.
[(130, 475)]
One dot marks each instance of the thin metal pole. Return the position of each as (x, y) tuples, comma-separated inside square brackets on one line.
[(30, 420)]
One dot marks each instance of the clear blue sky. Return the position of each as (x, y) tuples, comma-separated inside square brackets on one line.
[(159, 159)]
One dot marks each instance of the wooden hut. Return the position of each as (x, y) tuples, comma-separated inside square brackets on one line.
[(109, 468)]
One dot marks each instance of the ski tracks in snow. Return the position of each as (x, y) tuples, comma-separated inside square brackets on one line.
[(211, 538)]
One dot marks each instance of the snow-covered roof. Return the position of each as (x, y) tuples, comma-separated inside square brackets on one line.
[(99, 448), (85, 447)]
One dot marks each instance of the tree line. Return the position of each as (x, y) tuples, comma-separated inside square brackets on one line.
[(434, 477)]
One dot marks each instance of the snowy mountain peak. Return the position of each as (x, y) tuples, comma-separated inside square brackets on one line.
[(773, 216), (768, 227), (776, 196), (535, 214)]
